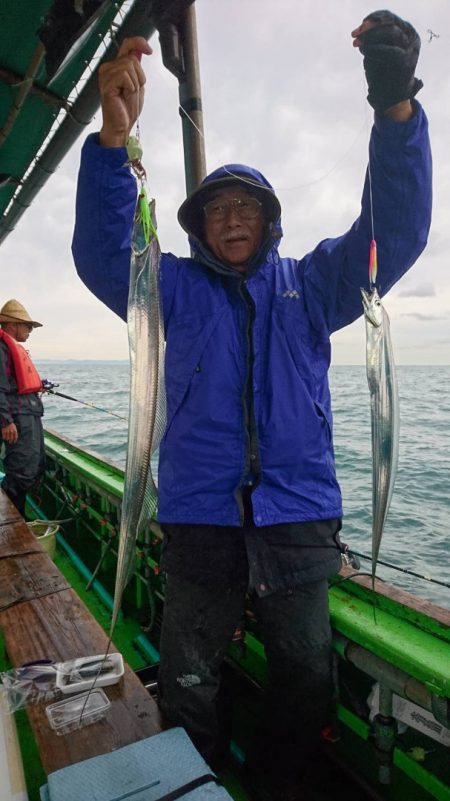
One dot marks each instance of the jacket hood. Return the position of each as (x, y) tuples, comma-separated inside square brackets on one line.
[(190, 213)]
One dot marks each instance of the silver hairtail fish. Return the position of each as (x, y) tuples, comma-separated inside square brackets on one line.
[(147, 407), (382, 380)]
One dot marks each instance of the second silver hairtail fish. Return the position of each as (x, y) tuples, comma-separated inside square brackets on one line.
[(385, 418)]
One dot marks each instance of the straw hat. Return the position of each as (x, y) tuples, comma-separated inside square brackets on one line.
[(13, 312)]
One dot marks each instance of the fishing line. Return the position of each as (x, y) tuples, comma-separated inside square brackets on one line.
[(277, 189), (183, 110), (369, 173), (321, 178)]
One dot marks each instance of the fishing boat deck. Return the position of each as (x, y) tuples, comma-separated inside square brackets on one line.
[(41, 617)]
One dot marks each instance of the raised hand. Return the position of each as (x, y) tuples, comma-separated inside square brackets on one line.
[(121, 84), (390, 47)]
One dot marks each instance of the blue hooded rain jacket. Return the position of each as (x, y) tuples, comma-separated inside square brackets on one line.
[(247, 356)]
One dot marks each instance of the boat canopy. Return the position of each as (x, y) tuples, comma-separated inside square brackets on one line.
[(50, 51)]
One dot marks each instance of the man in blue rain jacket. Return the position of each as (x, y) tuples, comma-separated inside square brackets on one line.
[(249, 499)]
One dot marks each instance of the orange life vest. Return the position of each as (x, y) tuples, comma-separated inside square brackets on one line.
[(27, 377)]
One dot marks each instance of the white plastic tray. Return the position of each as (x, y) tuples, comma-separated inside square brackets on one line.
[(70, 680), (74, 713)]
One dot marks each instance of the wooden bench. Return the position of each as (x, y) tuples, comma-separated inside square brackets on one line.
[(41, 617)]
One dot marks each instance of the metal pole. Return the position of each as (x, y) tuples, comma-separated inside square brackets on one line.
[(191, 104)]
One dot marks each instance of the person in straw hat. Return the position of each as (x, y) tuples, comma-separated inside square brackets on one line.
[(21, 407)]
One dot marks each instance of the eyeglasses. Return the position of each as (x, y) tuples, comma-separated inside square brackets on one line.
[(28, 326), (245, 207)]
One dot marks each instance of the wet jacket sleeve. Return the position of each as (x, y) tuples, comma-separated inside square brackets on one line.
[(333, 273), (105, 205)]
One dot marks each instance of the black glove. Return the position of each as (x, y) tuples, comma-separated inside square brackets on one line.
[(390, 51)]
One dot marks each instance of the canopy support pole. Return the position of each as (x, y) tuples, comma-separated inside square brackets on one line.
[(179, 50)]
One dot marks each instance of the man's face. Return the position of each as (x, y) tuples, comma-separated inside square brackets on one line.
[(233, 236), (19, 331)]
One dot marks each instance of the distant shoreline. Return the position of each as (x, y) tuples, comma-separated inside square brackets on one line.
[(78, 361)]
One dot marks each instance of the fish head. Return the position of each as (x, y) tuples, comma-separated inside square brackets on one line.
[(373, 308)]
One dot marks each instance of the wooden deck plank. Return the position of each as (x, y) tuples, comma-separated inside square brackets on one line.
[(27, 576), (8, 512), (13, 542), (59, 627), (43, 618)]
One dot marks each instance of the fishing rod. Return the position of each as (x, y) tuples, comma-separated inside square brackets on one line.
[(404, 570), (48, 386)]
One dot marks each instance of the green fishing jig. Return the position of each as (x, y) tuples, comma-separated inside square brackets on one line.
[(145, 214)]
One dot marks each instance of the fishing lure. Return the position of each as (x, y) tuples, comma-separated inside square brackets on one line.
[(145, 215), (373, 263)]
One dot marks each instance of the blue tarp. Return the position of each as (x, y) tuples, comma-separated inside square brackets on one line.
[(143, 771)]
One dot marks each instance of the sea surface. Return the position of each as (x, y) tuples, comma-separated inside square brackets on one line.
[(416, 536)]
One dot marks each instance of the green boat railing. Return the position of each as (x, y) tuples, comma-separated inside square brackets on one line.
[(386, 637)]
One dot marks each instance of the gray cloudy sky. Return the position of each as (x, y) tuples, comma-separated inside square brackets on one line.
[(283, 90)]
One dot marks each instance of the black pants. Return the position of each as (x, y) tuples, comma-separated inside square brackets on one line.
[(24, 460), (198, 625)]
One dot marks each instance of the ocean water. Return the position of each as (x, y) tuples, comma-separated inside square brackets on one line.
[(416, 535)]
